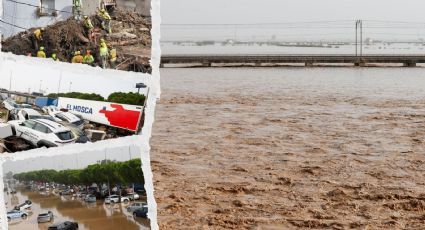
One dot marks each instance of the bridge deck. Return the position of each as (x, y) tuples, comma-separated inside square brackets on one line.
[(207, 60)]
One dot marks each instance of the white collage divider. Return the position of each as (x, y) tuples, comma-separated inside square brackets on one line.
[(27, 74)]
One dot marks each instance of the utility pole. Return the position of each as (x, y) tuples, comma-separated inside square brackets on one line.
[(357, 26), (361, 38)]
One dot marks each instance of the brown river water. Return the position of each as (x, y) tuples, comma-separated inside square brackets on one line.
[(290, 148), (89, 216)]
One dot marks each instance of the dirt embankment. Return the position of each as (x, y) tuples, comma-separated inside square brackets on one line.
[(130, 36), (294, 159)]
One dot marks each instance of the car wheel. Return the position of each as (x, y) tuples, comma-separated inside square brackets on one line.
[(24, 216), (8, 219), (112, 201), (134, 215), (126, 201)]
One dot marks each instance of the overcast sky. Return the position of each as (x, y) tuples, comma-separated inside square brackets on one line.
[(250, 11), (283, 11)]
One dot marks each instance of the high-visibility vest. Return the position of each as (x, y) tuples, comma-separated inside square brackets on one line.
[(88, 24), (41, 54), (88, 59), (103, 51), (105, 15), (77, 3), (113, 55), (77, 59), (37, 33)]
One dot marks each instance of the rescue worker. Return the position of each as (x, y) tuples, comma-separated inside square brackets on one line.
[(55, 57), (88, 26), (88, 58), (77, 57), (113, 58), (41, 53), (37, 37), (103, 53), (106, 20), (76, 9)]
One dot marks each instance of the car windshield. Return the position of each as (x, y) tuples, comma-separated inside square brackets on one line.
[(78, 123), (65, 136), (41, 117)]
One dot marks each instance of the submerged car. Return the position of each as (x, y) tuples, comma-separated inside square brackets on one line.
[(45, 217), (141, 212), (67, 225), (15, 214), (26, 205), (133, 196), (90, 199), (43, 132), (133, 207), (116, 199)]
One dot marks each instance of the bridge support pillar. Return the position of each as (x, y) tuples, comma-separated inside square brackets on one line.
[(258, 64), (161, 65), (409, 64), (309, 64)]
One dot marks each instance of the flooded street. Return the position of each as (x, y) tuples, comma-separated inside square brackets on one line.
[(290, 148), (90, 216)]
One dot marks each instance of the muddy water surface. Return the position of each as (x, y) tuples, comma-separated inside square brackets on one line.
[(65, 208), (290, 148)]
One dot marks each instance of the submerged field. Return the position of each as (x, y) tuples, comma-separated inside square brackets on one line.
[(290, 148)]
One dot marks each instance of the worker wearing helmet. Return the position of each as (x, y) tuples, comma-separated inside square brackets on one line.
[(41, 53), (55, 57), (77, 57), (113, 58), (37, 37), (103, 53), (106, 20), (88, 58), (76, 9), (88, 27)]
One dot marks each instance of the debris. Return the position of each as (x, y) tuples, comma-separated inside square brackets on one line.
[(130, 31)]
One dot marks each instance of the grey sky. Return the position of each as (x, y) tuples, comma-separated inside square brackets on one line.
[(283, 11), (250, 11)]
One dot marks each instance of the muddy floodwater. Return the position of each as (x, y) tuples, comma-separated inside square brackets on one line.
[(94, 216), (290, 148)]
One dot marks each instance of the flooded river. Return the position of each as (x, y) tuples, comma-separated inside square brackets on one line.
[(290, 148), (96, 216)]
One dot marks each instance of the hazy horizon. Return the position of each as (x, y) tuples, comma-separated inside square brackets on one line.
[(289, 19)]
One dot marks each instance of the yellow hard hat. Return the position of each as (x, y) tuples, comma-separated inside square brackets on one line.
[(42, 48), (102, 10), (43, 29), (85, 16)]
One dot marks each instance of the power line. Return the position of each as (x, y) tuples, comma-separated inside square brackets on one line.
[(47, 8), (7, 23)]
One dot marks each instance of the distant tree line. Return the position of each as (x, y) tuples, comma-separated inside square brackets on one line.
[(117, 97), (106, 172)]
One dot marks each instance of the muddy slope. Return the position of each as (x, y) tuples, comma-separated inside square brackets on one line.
[(130, 31)]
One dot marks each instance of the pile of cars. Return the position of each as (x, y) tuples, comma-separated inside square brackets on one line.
[(46, 127)]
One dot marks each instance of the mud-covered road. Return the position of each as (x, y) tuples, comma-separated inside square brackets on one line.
[(334, 148)]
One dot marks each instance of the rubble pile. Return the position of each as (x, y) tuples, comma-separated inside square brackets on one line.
[(130, 37)]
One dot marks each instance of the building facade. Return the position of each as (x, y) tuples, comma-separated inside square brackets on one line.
[(39, 13)]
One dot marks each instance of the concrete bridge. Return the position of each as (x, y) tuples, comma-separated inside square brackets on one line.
[(307, 60)]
